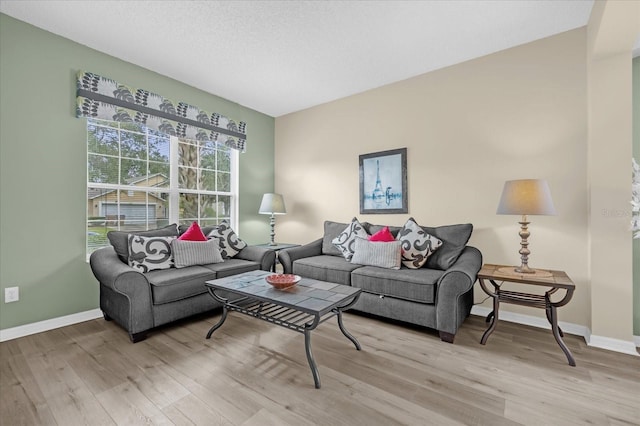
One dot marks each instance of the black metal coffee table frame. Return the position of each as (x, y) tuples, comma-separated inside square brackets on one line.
[(300, 319)]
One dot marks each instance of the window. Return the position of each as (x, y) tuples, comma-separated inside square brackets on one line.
[(139, 179)]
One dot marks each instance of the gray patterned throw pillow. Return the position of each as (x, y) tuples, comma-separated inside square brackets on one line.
[(230, 243), (150, 253), (345, 241), (375, 253), (417, 245), (187, 253)]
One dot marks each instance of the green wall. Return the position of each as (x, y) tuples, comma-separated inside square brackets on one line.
[(636, 155), (43, 168)]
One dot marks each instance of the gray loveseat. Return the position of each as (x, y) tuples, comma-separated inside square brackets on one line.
[(438, 295), (140, 301)]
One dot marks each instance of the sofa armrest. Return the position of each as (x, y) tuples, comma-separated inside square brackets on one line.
[(454, 284), (109, 270), (266, 257), (125, 294), (469, 264), (290, 255)]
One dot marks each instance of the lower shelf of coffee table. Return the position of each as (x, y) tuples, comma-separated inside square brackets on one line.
[(276, 314)]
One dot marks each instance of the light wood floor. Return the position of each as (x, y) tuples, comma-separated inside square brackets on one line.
[(254, 373)]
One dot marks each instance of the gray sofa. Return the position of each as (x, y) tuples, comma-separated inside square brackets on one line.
[(432, 296), (140, 301)]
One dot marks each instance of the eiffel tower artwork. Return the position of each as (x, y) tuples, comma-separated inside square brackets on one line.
[(383, 182), (378, 193)]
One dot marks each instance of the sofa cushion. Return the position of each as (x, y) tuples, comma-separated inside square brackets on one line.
[(380, 254), (230, 243), (417, 245), (150, 253), (418, 285), (232, 267), (331, 231), (170, 285), (334, 269), (345, 241), (120, 239), (188, 253), (454, 239)]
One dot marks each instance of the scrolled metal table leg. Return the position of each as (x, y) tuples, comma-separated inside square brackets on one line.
[(217, 326), (548, 312), (312, 362), (493, 315), (345, 332), (489, 317), (494, 320), (556, 334)]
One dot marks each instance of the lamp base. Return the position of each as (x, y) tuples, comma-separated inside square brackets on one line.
[(272, 224), (524, 269), (514, 270)]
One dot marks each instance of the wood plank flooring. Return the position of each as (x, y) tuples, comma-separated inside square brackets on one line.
[(253, 373)]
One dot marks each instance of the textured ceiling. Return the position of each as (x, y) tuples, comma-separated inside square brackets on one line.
[(279, 57)]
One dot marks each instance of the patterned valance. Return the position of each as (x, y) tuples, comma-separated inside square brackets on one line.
[(100, 97)]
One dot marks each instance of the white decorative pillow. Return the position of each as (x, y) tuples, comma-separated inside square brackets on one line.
[(149, 253), (187, 253), (230, 243), (417, 245), (375, 253), (346, 239)]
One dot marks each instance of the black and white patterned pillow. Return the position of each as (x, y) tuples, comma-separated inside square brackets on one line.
[(346, 240), (417, 245), (150, 253), (230, 243), (187, 253)]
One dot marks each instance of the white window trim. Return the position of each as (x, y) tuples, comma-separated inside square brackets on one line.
[(173, 191)]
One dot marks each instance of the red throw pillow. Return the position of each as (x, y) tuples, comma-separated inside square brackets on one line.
[(194, 233), (383, 235)]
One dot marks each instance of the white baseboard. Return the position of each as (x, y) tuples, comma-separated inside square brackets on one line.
[(616, 345), (50, 324), (570, 328)]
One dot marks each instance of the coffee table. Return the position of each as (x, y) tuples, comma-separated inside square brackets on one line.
[(300, 308)]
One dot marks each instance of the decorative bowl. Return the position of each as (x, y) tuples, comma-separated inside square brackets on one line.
[(282, 281)]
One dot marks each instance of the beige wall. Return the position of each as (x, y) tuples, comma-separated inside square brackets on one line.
[(558, 109), (520, 113), (612, 29)]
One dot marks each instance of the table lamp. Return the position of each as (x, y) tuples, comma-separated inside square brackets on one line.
[(526, 197), (272, 204)]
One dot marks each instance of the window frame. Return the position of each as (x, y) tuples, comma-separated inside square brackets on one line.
[(173, 190)]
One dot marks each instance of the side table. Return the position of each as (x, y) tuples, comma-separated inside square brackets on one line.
[(555, 280), (277, 248)]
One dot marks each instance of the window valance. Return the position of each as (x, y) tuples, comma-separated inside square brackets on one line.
[(100, 97)]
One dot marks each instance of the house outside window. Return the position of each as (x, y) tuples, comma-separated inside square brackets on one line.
[(140, 179)]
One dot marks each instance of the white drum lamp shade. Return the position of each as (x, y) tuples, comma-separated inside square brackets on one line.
[(272, 204)]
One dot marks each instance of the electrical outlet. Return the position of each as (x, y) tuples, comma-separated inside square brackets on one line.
[(11, 294)]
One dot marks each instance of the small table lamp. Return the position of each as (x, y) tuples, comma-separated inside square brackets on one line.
[(526, 197), (272, 204)]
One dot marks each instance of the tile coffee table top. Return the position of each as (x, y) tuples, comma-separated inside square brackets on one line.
[(312, 296)]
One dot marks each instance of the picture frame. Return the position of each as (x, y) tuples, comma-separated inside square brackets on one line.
[(383, 182)]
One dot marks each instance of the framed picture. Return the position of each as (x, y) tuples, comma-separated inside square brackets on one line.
[(383, 182)]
